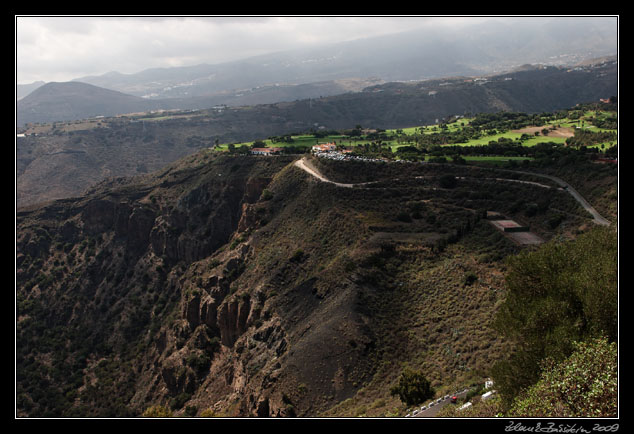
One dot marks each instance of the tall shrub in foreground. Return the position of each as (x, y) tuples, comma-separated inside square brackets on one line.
[(559, 294), (584, 385)]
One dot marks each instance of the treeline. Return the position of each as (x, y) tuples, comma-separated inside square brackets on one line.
[(245, 149), (547, 151), (589, 138)]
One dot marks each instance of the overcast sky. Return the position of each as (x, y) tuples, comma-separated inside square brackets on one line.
[(56, 48)]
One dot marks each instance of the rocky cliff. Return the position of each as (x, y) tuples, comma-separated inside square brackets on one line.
[(107, 269)]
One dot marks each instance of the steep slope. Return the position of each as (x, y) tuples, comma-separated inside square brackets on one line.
[(242, 286)]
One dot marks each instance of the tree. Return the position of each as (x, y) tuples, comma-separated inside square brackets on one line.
[(413, 388), (561, 293)]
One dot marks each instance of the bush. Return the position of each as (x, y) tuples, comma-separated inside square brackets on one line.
[(584, 385), (297, 256), (177, 402), (562, 293), (448, 181), (191, 410), (470, 278), (404, 217), (266, 195), (157, 411), (413, 388)]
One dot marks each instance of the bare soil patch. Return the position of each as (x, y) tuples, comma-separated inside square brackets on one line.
[(559, 132)]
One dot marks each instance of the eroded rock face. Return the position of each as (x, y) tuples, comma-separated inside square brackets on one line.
[(98, 216), (149, 268), (232, 319), (140, 224)]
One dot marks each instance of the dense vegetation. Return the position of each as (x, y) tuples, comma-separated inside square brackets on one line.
[(583, 385), (558, 295)]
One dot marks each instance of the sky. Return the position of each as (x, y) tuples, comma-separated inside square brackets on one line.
[(62, 48)]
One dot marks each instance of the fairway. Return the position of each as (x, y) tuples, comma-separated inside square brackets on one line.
[(457, 132)]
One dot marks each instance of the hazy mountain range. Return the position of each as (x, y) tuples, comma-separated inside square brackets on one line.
[(488, 47)]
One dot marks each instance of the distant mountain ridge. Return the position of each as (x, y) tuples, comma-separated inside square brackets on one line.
[(426, 53), (53, 102), (488, 47), (22, 90), (126, 147), (74, 100)]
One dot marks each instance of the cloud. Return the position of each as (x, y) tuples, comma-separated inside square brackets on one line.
[(63, 48)]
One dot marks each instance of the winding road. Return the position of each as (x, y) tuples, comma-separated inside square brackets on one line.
[(597, 218), (302, 164)]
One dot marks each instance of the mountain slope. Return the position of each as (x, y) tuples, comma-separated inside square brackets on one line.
[(74, 100), (22, 90), (242, 286)]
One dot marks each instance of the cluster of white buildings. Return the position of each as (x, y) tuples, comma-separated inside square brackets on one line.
[(324, 148)]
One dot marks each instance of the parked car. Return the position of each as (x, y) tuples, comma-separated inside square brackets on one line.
[(454, 399)]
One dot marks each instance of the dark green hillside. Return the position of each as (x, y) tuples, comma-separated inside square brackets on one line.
[(242, 286)]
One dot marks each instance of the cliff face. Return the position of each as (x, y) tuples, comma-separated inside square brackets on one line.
[(108, 271)]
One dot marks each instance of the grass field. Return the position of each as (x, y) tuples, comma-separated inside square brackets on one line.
[(560, 130)]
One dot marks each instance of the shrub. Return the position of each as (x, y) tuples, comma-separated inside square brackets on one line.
[(412, 388), (470, 278), (297, 256), (448, 181), (191, 410), (562, 293), (266, 194), (404, 216), (157, 411), (177, 402), (584, 385)]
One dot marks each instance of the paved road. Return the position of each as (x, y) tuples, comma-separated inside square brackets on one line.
[(432, 411), (597, 218)]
